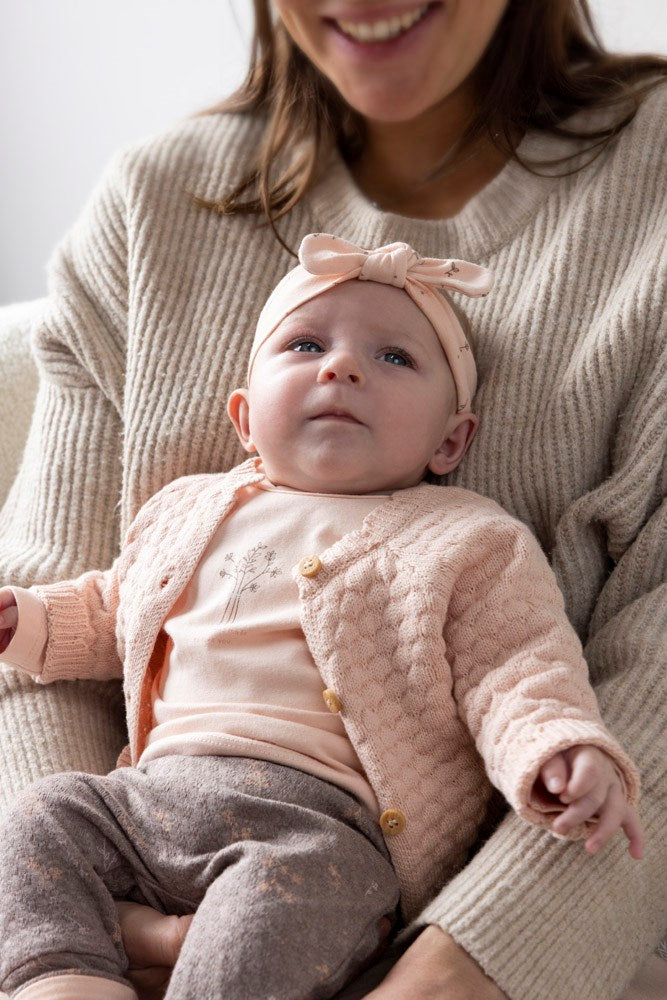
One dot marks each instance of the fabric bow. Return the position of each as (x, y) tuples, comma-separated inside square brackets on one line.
[(394, 264)]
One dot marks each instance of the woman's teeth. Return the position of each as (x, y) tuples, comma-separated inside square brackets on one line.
[(382, 31)]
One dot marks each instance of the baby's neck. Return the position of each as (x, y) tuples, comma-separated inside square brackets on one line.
[(339, 494)]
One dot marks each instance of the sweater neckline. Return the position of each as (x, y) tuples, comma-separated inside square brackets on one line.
[(485, 223)]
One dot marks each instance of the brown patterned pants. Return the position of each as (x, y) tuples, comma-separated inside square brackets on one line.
[(288, 875)]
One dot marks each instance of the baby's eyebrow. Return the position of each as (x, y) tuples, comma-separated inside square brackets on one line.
[(300, 327)]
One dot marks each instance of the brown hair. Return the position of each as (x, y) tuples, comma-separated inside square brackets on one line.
[(544, 63)]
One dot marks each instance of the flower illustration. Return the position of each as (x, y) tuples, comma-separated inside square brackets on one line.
[(244, 573)]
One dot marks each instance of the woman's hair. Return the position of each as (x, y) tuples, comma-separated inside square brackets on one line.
[(544, 63)]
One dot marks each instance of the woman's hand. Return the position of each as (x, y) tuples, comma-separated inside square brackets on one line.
[(152, 942), (435, 967)]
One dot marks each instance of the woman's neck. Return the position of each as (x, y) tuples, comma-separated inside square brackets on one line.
[(420, 168)]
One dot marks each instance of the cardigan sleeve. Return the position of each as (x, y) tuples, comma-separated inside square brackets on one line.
[(81, 628), (60, 517), (520, 679)]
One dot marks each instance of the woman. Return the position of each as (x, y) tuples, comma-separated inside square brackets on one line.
[(441, 124)]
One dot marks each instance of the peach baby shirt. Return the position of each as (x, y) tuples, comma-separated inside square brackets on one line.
[(238, 677)]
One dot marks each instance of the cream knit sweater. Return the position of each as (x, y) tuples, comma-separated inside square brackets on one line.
[(152, 309)]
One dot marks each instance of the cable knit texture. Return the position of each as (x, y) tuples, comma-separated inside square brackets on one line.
[(152, 308)]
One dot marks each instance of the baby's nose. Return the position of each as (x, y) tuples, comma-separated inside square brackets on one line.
[(342, 368)]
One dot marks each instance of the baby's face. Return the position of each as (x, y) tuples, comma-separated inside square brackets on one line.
[(352, 394)]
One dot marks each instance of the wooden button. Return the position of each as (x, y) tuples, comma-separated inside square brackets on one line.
[(310, 566), (331, 700), (392, 822)]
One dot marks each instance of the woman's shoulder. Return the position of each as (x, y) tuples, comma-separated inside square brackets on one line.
[(640, 147), (631, 181), (202, 153), (603, 183), (645, 137)]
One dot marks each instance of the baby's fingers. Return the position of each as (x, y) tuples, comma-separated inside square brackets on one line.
[(578, 812), (615, 815), (7, 598), (588, 766), (9, 617), (611, 816), (554, 773), (634, 831)]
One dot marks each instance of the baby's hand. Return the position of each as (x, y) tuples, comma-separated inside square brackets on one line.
[(585, 780), (9, 616)]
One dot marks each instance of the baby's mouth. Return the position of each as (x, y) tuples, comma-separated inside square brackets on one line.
[(342, 415)]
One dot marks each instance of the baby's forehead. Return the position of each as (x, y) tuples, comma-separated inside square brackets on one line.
[(371, 304)]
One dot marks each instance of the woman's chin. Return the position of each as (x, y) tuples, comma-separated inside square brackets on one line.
[(391, 100)]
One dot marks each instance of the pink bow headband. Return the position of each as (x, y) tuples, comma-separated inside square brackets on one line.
[(326, 261)]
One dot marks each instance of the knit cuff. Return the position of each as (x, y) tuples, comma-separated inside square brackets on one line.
[(67, 655)]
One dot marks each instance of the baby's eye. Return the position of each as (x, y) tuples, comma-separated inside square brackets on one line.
[(396, 357), (305, 346)]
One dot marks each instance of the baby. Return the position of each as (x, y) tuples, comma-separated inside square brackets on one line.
[(288, 818)]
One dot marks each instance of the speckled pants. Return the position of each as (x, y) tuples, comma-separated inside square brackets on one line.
[(288, 875)]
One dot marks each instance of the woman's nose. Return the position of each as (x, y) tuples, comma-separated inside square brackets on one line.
[(342, 367)]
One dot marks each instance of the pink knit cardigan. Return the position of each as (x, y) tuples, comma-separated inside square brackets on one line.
[(438, 625)]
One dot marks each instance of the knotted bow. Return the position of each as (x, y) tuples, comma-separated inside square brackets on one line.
[(394, 264)]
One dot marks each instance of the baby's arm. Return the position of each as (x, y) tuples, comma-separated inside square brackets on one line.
[(63, 631), (521, 684), (585, 781)]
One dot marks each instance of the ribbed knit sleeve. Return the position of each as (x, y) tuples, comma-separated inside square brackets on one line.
[(81, 626), (60, 517), (18, 384)]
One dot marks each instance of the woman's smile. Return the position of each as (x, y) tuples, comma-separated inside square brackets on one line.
[(392, 62), (383, 29), (385, 34)]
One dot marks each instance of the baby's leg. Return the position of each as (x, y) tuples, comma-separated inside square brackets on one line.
[(60, 858), (295, 908)]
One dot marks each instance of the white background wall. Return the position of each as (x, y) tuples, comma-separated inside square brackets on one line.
[(80, 78)]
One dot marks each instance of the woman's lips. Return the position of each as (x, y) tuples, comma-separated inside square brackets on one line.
[(373, 47), (381, 25)]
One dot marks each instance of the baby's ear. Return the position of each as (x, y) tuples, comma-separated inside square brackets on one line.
[(460, 433), (238, 410)]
